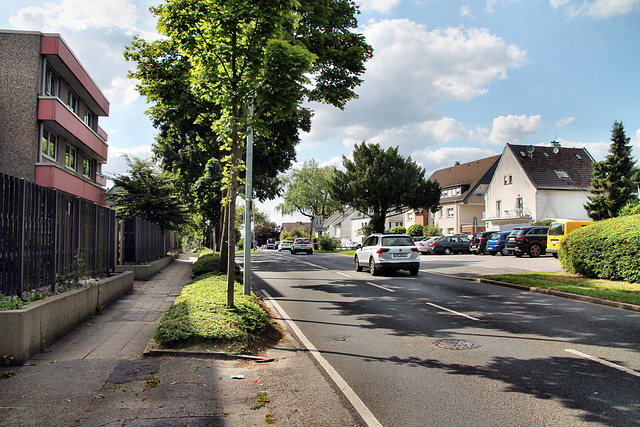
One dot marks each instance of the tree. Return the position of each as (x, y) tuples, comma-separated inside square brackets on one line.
[(260, 54), (307, 192), (377, 182), (148, 193), (613, 179), (415, 230)]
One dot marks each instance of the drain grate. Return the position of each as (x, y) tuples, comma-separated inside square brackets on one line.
[(454, 344)]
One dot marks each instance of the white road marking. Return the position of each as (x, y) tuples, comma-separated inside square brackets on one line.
[(381, 287), (604, 362), (452, 311), (342, 274), (348, 392)]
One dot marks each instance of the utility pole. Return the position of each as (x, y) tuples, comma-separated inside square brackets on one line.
[(248, 194)]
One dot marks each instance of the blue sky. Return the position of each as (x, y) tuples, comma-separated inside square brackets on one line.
[(450, 80)]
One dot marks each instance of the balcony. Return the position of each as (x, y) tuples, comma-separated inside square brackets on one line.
[(54, 177)]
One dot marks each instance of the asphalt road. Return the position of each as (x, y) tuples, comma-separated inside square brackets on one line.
[(435, 350)]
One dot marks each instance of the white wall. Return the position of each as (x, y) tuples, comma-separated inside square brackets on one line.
[(520, 185), (562, 204)]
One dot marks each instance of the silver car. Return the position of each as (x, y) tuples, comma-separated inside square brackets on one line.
[(387, 252)]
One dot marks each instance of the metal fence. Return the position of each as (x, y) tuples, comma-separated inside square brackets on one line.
[(143, 241)]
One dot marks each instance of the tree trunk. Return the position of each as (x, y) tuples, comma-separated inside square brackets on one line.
[(224, 250)]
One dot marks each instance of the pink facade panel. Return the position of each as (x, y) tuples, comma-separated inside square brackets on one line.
[(54, 177), (52, 109), (54, 45)]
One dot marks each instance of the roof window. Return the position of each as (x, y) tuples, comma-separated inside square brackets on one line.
[(562, 174)]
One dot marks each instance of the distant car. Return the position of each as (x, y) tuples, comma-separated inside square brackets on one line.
[(271, 245), (497, 243), (422, 245), (285, 245), (387, 252), (418, 238), (456, 243), (301, 244), (528, 240), (348, 244), (479, 242)]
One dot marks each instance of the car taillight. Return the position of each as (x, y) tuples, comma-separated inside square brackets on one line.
[(414, 249), (431, 244), (520, 239), (379, 251)]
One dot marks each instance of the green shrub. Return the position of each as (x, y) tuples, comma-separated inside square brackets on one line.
[(200, 313), (605, 249), (432, 230), (398, 230), (205, 264), (328, 243), (631, 208), (10, 303), (415, 230), (542, 223)]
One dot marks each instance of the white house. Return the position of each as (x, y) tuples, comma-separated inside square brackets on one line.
[(535, 183)]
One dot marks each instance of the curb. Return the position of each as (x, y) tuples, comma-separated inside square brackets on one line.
[(149, 351), (583, 298)]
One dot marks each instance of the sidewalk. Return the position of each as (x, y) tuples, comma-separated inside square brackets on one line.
[(96, 376)]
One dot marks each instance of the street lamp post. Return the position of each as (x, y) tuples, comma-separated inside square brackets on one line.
[(248, 194)]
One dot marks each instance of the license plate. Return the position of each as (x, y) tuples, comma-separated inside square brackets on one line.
[(400, 255), (554, 241)]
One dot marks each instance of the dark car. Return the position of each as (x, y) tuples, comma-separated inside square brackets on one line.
[(479, 242), (497, 243), (528, 240), (449, 244)]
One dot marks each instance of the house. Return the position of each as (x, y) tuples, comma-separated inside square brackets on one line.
[(345, 225), (462, 199), (535, 183), (289, 226), (49, 111)]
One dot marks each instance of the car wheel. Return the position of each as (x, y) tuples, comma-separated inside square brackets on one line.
[(446, 251), (372, 267), (356, 263), (555, 255), (535, 251), (493, 253), (504, 251), (518, 255), (311, 252), (414, 271)]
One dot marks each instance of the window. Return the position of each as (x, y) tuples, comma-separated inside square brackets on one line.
[(508, 179), (444, 193), (70, 158), (562, 174), (498, 208), (49, 144), (450, 213), (73, 103), (88, 168), (441, 213), (90, 119), (519, 206), (458, 191), (52, 84)]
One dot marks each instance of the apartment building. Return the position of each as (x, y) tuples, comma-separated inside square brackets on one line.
[(49, 112)]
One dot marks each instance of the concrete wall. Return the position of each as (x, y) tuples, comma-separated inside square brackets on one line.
[(20, 69), (146, 271), (25, 332)]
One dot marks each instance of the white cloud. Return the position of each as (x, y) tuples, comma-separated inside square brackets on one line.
[(412, 70), (122, 90), (447, 129), (382, 6), (596, 8), (491, 5), (564, 122), (514, 128), (466, 11)]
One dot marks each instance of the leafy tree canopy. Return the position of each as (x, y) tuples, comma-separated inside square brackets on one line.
[(613, 180), (148, 193), (377, 182)]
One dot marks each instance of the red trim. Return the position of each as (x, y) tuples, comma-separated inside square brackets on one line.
[(53, 177)]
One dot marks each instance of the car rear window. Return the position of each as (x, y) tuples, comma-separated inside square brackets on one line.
[(516, 232), (397, 241), (495, 236)]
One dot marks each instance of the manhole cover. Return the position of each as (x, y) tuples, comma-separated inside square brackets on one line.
[(453, 344)]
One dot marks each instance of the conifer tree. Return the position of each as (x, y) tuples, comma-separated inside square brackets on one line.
[(613, 179)]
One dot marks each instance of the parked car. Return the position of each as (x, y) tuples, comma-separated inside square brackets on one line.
[(271, 244), (479, 242), (285, 245), (559, 229), (301, 244), (422, 245), (498, 243), (387, 252), (455, 243), (418, 238), (348, 244), (528, 240)]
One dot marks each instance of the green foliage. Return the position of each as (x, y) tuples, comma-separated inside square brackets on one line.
[(543, 223), (7, 359), (377, 182), (366, 231), (10, 303), (306, 192), (35, 296), (605, 249), (432, 230), (208, 262), (200, 312), (300, 231), (7, 374), (415, 230), (146, 192), (631, 208), (613, 179), (398, 230), (328, 243)]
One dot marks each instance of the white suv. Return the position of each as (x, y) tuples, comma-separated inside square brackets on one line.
[(301, 245), (387, 252)]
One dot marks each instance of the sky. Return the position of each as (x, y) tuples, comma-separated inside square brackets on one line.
[(449, 80)]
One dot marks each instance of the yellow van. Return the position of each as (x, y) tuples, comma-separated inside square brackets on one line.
[(558, 229)]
